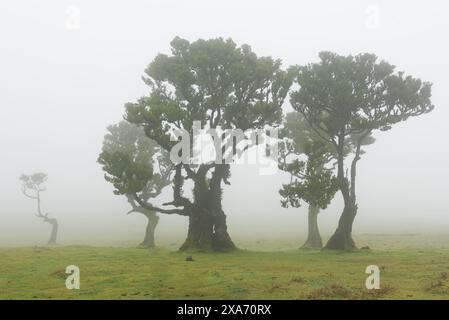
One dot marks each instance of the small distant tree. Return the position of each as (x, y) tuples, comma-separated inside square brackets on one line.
[(32, 188), (309, 160), (135, 164), (344, 99)]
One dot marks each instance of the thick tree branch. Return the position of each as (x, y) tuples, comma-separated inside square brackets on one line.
[(149, 206)]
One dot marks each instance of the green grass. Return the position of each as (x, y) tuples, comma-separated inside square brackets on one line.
[(131, 273)]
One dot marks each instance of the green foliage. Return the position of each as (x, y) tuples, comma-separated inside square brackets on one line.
[(33, 181), (127, 176), (316, 188), (346, 95), (305, 156), (128, 157), (220, 85), (344, 99), (212, 81)]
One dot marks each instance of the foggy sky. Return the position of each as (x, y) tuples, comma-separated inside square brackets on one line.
[(61, 87)]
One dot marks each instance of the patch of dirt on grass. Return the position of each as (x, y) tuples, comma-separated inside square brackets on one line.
[(276, 287), (59, 274), (440, 285), (298, 279)]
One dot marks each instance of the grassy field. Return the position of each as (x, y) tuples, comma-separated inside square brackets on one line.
[(407, 272)]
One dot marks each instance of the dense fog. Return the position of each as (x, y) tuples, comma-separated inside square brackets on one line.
[(68, 67)]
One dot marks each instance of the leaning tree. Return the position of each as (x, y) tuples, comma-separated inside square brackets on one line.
[(345, 99), (220, 85), (309, 161), (126, 152), (32, 188)]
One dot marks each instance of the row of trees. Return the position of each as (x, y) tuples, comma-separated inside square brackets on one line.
[(339, 103)]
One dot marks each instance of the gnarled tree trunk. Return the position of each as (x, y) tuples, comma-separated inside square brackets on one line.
[(207, 221), (200, 232), (313, 238), (342, 238), (153, 220), (221, 240), (208, 232)]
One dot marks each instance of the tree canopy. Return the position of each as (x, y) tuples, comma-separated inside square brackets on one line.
[(308, 159), (221, 85), (133, 163), (345, 99), (138, 168), (346, 95)]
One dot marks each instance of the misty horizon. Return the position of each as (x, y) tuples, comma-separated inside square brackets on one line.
[(63, 87)]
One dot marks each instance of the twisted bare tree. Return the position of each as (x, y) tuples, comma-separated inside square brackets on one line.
[(32, 188)]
